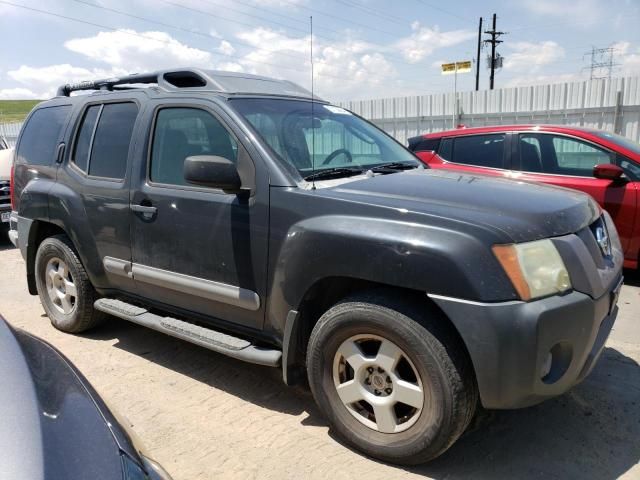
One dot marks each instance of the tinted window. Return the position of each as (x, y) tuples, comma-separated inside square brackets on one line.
[(184, 132), (480, 150), (530, 153), (40, 135), (83, 140), (112, 138), (424, 144)]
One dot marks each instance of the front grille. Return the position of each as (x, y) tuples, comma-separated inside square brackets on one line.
[(5, 193)]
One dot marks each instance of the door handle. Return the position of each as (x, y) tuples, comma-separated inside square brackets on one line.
[(147, 211)]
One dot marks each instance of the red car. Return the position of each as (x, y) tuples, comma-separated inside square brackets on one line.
[(602, 164)]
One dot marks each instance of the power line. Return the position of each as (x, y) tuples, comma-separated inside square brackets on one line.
[(169, 42), (435, 7), (182, 29), (383, 48)]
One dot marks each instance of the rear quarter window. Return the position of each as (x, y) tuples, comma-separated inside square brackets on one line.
[(424, 145), (40, 135)]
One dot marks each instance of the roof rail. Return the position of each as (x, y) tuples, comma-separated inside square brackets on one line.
[(188, 78), (108, 83)]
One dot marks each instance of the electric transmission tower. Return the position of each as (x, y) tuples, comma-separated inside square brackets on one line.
[(495, 60), (602, 62)]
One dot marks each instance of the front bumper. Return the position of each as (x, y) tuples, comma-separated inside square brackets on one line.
[(510, 343)]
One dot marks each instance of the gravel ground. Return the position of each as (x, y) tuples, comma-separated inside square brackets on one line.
[(204, 416)]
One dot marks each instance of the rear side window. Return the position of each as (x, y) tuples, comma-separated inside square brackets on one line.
[(110, 148), (85, 135), (40, 135), (478, 150), (424, 144)]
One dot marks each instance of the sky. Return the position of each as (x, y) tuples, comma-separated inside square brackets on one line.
[(361, 48)]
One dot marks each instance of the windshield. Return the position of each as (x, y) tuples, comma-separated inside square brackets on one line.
[(334, 139), (624, 142)]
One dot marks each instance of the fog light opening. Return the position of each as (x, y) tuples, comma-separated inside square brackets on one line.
[(556, 362)]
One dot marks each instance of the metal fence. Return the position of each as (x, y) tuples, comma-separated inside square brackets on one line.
[(612, 105), (10, 132)]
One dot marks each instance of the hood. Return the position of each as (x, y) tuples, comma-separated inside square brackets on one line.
[(519, 211), (52, 426), (6, 160)]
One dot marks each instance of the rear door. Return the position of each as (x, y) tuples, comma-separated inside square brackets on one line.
[(99, 155), (199, 249), (567, 161), (483, 153)]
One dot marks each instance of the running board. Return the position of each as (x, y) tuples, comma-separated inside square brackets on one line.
[(205, 337)]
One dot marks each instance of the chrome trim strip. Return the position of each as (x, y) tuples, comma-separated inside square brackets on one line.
[(471, 302), (216, 291), (117, 266)]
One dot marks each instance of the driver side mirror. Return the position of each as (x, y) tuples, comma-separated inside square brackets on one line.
[(608, 171), (212, 171)]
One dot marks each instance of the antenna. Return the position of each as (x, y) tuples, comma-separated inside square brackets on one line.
[(313, 101)]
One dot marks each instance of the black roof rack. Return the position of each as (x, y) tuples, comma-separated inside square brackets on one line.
[(190, 78)]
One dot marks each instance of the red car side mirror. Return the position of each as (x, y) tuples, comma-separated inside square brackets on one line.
[(608, 171)]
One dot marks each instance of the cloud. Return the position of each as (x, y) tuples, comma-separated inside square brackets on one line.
[(18, 93), (628, 57), (425, 40), (45, 80), (142, 51), (531, 57), (226, 48), (581, 12)]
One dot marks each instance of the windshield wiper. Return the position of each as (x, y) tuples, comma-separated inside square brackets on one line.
[(336, 172), (393, 167)]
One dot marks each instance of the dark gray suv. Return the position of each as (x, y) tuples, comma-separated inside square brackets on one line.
[(238, 213)]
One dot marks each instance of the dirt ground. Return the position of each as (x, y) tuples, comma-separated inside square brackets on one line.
[(205, 416)]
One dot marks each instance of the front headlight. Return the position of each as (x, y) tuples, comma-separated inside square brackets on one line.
[(535, 268)]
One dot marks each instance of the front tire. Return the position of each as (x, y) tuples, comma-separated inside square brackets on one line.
[(65, 291), (391, 377)]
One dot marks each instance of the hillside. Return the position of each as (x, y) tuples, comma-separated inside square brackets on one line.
[(15, 110)]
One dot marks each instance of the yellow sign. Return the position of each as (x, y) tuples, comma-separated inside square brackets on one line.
[(459, 67)]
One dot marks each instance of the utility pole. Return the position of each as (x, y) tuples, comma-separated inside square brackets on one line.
[(478, 55), (602, 63), (495, 35)]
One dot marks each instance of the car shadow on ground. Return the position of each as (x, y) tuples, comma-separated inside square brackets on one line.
[(260, 385), (632, 278), (592, 432), (5, 243)]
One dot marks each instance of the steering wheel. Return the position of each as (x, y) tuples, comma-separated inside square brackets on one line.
[(335, 153)]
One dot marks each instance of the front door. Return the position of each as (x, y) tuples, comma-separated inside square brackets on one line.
[(566, 161), (199, 249)]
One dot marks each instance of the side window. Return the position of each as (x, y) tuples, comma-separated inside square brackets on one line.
[(40, 135), (479, 150), (575, 157), (110, 147), (183, 132), (83, 140), (446, 149), (530, 153), (426, 145)]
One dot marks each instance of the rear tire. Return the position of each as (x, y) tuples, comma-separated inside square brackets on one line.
[(64, 287), (363, 393)]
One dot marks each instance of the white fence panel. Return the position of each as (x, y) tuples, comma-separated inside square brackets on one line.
[(612, 105)]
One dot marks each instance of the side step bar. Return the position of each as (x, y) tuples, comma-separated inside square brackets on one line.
[(205, 337)]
